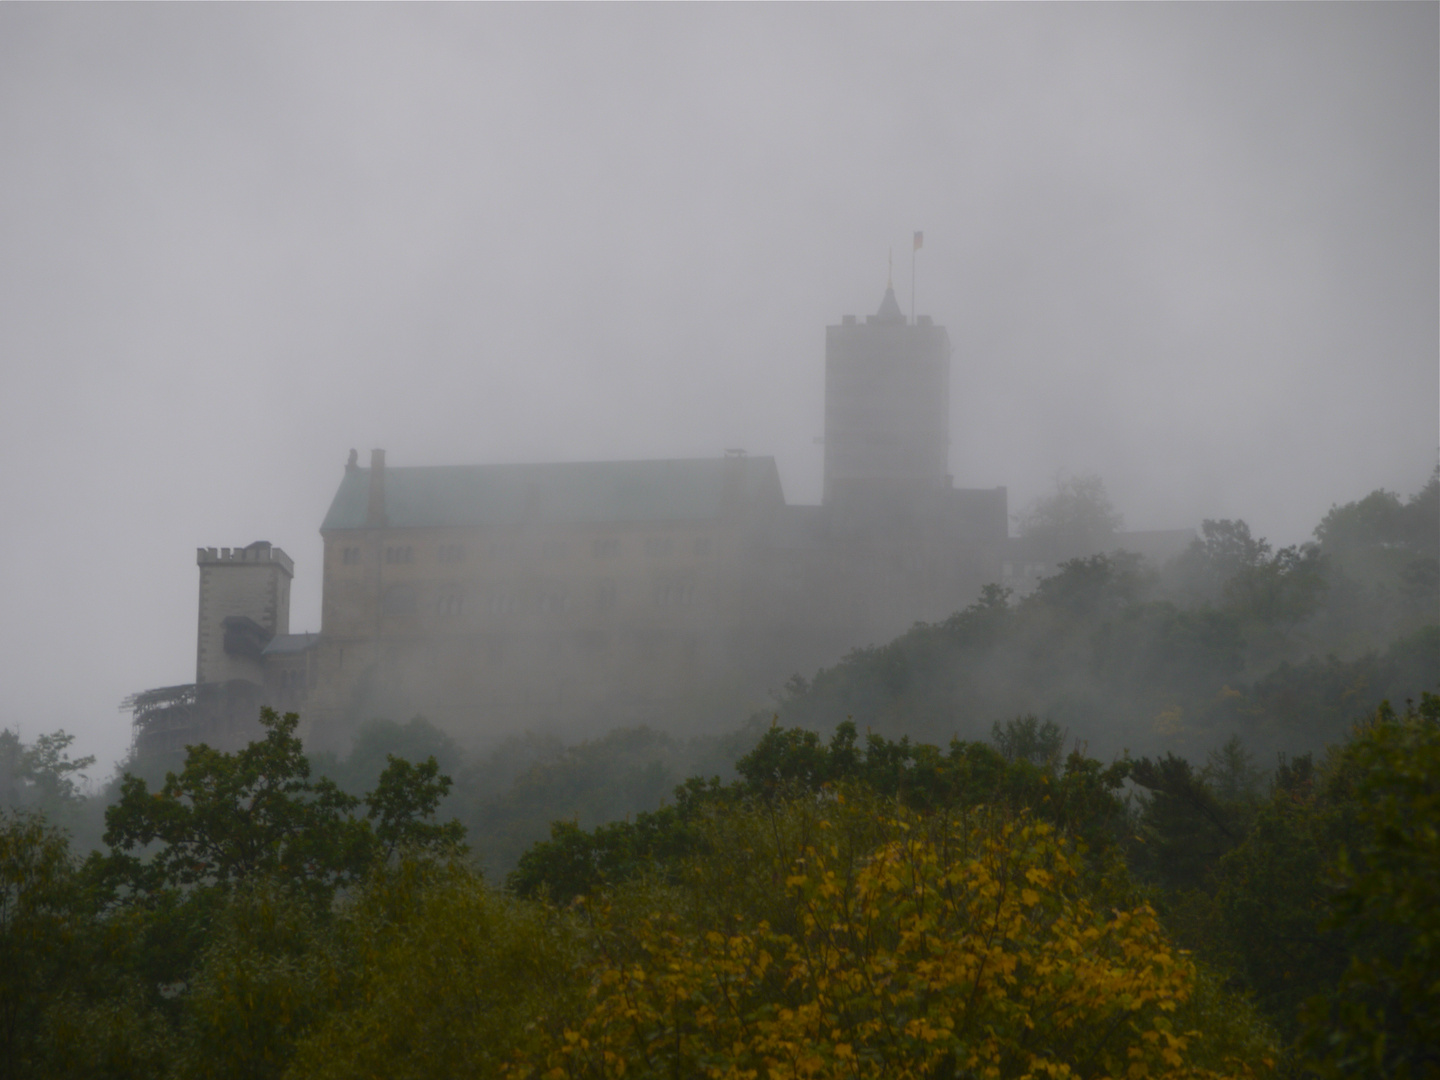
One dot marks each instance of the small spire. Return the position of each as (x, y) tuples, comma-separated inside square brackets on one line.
[(890, 309), (890, 271)]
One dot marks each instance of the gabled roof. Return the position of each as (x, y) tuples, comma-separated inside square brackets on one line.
[(610, 491)]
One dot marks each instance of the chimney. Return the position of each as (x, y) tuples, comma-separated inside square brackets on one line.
[(375, 512)]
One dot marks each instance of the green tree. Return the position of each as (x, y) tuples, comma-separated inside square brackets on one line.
[(37, 933), (267, 974), (1270, 899), (228, 818), (443, 977), (376, 741), (1285, 588), (1184, 827), (787, 763), (1076, 519), (70, 1002), (404, 800), (41, 776), (1224, 550), (1383, 1017)]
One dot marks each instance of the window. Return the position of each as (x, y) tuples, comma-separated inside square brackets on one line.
[(605, 547), (451, 553), (450, 602), (350, 556), (400, 554), (659, 545)]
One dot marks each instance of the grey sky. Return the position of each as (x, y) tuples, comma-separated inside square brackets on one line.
[(1190, 248)]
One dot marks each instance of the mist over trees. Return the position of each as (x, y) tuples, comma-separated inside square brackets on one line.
[(1075, 519), (850, 906), (1161, 819), (1284, 649)]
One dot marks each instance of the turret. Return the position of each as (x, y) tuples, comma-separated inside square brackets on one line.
[(887, 402), (244, 602)]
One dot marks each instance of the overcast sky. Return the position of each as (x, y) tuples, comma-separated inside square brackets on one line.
[(1190, 248)]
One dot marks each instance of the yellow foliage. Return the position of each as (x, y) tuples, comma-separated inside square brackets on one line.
[(963, 949)]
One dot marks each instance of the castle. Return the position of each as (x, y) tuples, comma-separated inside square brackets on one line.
[(581, 596)]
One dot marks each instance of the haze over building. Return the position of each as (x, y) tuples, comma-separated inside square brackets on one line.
[(581, 596)]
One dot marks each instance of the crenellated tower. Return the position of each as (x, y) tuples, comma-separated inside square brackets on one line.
[(244, 603), (887, 402)]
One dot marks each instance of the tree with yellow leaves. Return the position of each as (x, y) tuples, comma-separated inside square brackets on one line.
[(977, 944)]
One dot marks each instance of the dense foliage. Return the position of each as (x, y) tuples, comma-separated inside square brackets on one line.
[(854, 939), (927, 889), (1286, 649), (844, 907)]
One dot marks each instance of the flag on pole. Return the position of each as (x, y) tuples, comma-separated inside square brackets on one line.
[(919, 240)]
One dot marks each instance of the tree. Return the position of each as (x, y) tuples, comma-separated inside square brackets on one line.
[(1384, 560), (41, 776), (268, 973), (376, 741), (401, 805), (851, 941), (1229, 567), (1382, 521), (443, 977), (1224, 549), (1076, 519), (1184, 827), (1025, 738), (787, 763), (1383, 1018), (1285, 588), (227, 818), (230, 818), (37, 885)]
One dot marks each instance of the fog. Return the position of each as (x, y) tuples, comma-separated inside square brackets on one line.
[(1192, 249)]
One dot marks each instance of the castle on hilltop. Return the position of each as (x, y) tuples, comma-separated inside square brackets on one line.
[(581, 596)]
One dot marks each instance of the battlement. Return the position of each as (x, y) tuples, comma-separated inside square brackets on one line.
[(251, 555)]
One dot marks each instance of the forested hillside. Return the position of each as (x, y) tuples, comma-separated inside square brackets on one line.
[(868, 908), (1285, 649), (1136, 823)]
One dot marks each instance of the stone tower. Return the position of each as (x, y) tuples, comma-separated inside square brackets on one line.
[(244, 602), (887, 403)]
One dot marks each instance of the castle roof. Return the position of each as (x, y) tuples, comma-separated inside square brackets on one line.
[(889, 308), (599, 491)]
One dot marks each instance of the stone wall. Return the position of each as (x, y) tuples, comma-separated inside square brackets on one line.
[(239, 583)]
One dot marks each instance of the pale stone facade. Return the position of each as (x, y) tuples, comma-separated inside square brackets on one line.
[(244, 602), (580, 596)]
